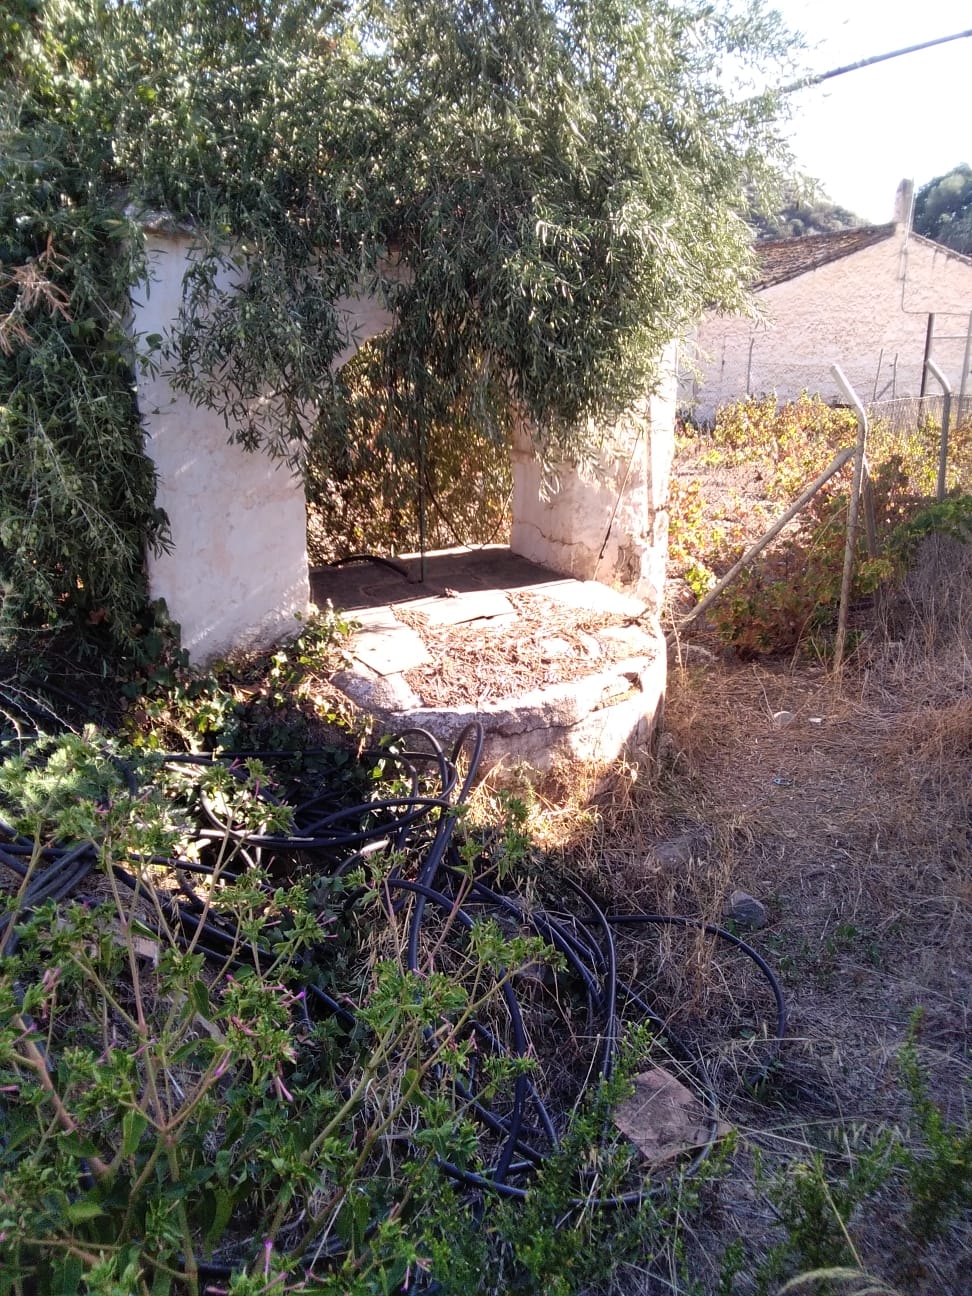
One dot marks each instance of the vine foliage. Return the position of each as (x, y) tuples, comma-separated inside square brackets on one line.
[(560, 187)]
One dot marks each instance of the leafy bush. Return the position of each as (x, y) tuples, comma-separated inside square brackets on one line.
[(939, 1169), (789, 594), (77, 492), (545, 207), (220, 1073), (278, 700), (163, 1101), (948, 517), (368, 490)]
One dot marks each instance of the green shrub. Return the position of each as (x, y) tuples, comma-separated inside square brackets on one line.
[(177, 1118), (939, 1169), (789, 594)]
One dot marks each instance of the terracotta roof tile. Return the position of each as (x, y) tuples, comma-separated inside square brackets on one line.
[(782, 259)]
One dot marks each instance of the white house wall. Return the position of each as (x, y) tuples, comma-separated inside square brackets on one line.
[(866, 309)]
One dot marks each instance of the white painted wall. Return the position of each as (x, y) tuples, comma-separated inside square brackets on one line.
[(866, 308), (237, 573), (605, 521), (236, 576)]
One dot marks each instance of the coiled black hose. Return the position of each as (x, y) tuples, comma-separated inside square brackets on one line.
[(331, 836)]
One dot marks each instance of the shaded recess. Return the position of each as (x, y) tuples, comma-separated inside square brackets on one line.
[(555, 669)]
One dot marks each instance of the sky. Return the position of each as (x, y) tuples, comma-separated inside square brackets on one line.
[(911, 117)]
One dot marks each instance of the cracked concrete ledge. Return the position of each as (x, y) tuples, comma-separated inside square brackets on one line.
[(593, 719)]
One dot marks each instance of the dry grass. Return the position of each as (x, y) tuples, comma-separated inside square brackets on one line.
[(850, 817)]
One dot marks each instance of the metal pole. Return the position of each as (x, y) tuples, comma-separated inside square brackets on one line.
[(929, 339), (870, 511), (965, 373), (804, 498), (852, 511), (946, 387), (421, 499), (877, 376)]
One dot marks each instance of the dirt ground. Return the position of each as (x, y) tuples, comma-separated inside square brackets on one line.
[(543, 643), (843, 806)]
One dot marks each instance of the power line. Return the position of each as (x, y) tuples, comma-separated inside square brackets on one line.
[(818, 77)]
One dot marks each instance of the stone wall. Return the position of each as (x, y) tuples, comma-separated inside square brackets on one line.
[(237, 572), (607, 520), (867, 312)]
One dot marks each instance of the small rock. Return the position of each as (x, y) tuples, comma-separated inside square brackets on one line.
[(746, 910), (590, 644), (553, 648), (782, 719), (675, 854), (377, 692)]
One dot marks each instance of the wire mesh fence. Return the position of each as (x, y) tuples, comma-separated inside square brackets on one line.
[(912, 427), (905, 414)]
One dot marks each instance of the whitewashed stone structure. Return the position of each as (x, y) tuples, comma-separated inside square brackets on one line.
[(236, 576), (859, 298), (237, 572), (607, 520)]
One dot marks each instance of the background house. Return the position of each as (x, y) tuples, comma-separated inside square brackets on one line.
[(860, 298)]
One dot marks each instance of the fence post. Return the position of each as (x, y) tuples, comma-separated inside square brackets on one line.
[(929, 339), (946, 387), (799, 503), (852, 510), (966, 361)]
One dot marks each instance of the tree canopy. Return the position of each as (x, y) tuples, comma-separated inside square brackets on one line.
[(943, 209), (564, 180), (801, 209)]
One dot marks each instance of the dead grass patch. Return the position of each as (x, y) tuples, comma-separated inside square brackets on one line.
[(848, 812)]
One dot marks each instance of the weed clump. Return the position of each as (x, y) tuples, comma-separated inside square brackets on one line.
[(789, 594)]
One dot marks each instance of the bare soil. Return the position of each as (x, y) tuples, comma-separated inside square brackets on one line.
[(503, 657), (845, 807)]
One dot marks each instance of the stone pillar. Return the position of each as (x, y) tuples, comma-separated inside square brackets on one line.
[(607, 521), (236, 576)]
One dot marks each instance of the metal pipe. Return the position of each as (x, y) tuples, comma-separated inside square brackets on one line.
[(929, 339), (946, 387), (966, 361), (800, 502), (852, 511)]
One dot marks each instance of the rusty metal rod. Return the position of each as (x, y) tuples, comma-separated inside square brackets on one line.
[(800, 502)]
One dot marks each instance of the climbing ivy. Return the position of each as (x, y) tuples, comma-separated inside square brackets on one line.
[(76, 491), (560, 184)]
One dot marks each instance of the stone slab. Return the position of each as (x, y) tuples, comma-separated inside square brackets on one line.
[(457, 609), (385, 645), (591, 596)]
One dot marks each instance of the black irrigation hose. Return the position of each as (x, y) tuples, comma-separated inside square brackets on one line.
[(55, 882), (417, 824), (399, 568), (676, 920)]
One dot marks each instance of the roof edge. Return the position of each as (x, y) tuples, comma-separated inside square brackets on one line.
[(940, 247), (812, 251)]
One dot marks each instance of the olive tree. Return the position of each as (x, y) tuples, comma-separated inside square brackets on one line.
[(565, 182)]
